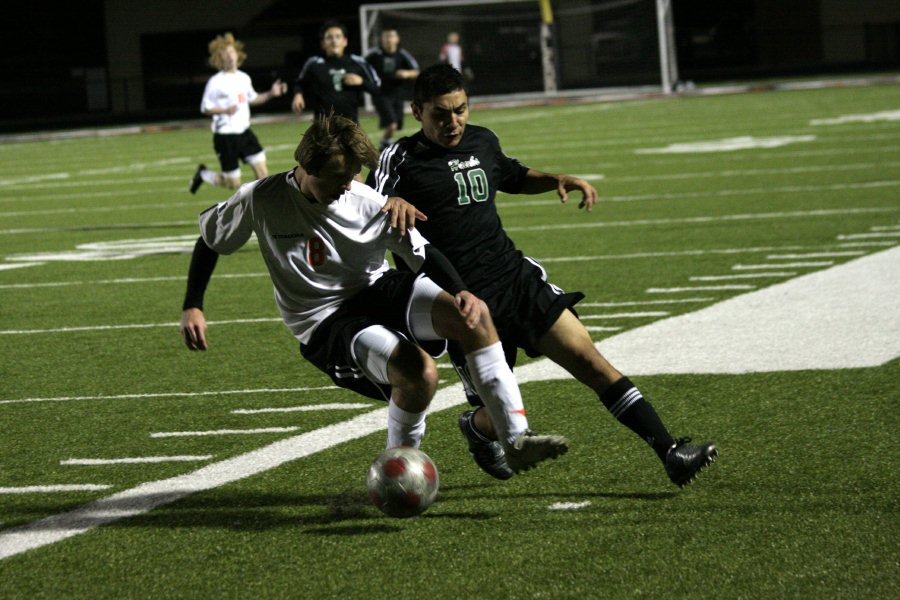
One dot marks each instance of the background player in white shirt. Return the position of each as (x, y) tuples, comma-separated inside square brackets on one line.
[(228, 96), (323, 236)]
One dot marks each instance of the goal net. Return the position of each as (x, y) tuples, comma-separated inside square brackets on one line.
[(514, 47)]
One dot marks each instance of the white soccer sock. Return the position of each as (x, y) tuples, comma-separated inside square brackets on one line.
[(208, 176), (495, 383), (404, 428)]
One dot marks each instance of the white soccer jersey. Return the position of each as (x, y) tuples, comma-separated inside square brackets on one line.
[(318, 255), (224, 90)]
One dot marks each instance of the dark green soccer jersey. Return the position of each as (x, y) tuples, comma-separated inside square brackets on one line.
[(455, 188)]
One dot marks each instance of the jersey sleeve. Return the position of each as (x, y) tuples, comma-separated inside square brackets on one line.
[(371, 81), (512, 172), (227, 226), (410, 60), (251, 93), (385, 178), (410, 247), (208, 102)]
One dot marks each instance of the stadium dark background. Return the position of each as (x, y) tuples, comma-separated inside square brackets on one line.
[(118, 61)]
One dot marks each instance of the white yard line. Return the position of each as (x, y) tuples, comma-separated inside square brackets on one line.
[(598, 328), (815, 255), (132, 326), (643, 302), (743, 276), (10, 266), (168, 434), (675, 290), (627, 315), (135, 461), (863, 236), (125, 280), (175, 394), (710, 219), (48, 489), (793, 265), (866, 244), (305, 408)]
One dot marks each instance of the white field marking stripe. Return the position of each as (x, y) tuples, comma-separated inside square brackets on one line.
[(96, 209), (20, 265), (30, 230), (135, 461), (167, 434), (93, 195), (743, 172), (569, 505), (699, 287), (643, 302), (710, 219), (744, 276), (99, 182), (175, 394), (885, 228), (792, 189), (648, 350), (45, 489), (88, 172), (634, 315), (816, 255), (862, 236), (794, 265), (139, 326), (123, 280), (598, 328), (309, 407), (866, 244)]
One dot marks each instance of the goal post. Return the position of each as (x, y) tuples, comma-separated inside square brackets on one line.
[(543, 47)]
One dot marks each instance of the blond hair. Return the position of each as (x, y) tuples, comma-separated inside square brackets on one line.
[(220, 43), (331, 136)]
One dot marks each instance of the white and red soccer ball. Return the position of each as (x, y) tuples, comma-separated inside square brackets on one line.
[(403, 482)]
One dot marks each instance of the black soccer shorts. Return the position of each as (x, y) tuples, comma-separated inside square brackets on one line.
[(386, 303), (390, 109), (233, 146)]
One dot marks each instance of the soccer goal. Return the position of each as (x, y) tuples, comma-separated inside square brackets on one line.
[(546, 47)]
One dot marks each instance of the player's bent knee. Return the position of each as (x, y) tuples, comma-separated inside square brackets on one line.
[(414, 371)]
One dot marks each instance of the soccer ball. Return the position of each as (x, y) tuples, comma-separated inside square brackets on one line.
[(403, 482)]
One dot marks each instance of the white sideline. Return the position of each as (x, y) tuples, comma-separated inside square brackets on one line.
[(844, 317)]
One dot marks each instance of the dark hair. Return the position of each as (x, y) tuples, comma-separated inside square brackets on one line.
[(331, 25), (437, 80), (331, 136)]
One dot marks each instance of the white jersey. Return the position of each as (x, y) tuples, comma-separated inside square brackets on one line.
[(318, 255), (224, 90)]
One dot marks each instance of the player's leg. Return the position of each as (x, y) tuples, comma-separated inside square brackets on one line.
[(254, 155), (433, 314), (569, 345), (227, 149), (387, 358)]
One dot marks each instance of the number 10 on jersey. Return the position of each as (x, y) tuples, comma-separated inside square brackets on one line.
[(476, 188)]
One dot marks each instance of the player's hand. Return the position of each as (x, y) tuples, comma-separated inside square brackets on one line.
[(193, 328), (298, 104), (567, 183), (231, 109), (278, 88), (471, 307), (353, 79), (403, 214)]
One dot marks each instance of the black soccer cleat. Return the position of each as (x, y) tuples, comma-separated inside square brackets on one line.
[(684, 462), (197, 180), (488, 454)]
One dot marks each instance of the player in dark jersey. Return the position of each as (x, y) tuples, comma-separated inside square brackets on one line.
[(396, 68), (451, 171), (336, 81)]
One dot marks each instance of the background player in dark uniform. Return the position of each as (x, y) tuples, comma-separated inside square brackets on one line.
[(396, 68), (451, 171), (335, 81)]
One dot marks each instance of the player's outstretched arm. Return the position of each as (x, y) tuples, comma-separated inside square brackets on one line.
[(193, 321), (403, 214), (537, 182)]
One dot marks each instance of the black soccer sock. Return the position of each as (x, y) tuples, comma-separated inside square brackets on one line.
[(627, 405)]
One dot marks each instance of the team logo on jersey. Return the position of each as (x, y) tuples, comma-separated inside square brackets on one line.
[(337, 78), (458, 165)]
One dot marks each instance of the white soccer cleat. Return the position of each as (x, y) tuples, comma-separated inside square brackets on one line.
[(530, 448)]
